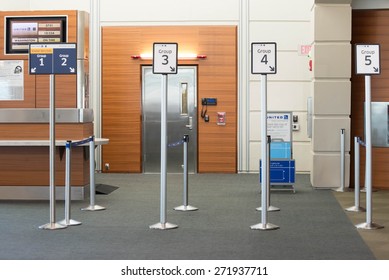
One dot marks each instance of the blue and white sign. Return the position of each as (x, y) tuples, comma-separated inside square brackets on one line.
[(263, 58), (53, 59), (282, 172), (367, 59), (165, 57)]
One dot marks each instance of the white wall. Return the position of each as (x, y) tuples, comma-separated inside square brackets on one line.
[(168, 11), (289, 89), (82, 5), (258, 20), (12, 5)]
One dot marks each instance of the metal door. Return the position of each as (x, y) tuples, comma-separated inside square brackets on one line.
[(181, 119)]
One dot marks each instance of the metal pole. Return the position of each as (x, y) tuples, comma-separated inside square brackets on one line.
[(265, 168), (368, 224), (356, 207), (163, 190), (185, 206), (270, 208), (342, 162), (68, 221), (92, 186), (52, 224)]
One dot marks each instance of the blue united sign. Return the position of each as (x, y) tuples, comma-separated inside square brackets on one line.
[(53, 59)]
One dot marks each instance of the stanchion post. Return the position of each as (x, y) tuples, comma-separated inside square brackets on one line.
[(163, 189), (68, 200), (342, 163), (356, 207), (270, 208), (369, 223), (52, 224), (92, 186), (185, 206), (264, 225)]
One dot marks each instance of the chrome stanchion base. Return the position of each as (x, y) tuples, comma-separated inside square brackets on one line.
[(269, 209), (186, 208), (163, 226), (93, 208), (52, 226), (369, 226), (355, 209), (342, 189), (70, 223), (267, 226)]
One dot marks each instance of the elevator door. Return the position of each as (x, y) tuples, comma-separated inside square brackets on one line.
[(181, 119)]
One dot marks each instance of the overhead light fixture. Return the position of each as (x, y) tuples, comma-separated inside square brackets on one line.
[(185, 56)]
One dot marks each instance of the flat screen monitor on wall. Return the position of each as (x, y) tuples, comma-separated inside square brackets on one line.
[(22, 31)]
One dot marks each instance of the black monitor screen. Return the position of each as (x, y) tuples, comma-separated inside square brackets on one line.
[(22, 31)]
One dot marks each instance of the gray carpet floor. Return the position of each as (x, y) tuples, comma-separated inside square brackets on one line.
[(313, 226)]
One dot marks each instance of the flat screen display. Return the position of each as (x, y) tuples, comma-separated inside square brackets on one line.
[(22, 31)]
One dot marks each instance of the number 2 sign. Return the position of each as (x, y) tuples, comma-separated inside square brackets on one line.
[(263, 58), (367, 59)]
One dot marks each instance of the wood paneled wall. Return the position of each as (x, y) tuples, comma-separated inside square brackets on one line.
[(370, 27), (121, 92), (29, 166), (36, 87)]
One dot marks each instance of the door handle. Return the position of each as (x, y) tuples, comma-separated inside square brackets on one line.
[(190, 124)]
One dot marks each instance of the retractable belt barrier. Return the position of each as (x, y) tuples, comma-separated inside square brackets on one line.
[(185, 206), (92, 186), (356, 207), (342, 187), (270, 208), (92, 207)]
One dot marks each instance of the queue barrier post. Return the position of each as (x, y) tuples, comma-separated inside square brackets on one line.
[(185, 206), (270, 208), (68, 221), (356, 207), (92, 186), (342, 187)]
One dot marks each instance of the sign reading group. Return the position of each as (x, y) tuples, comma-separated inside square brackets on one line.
[(367, 59), (53, 59), (165, 58), (264, 58)]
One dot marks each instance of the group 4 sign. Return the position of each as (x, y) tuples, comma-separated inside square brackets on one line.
[(53, 59), (263, 58), (367, 59)]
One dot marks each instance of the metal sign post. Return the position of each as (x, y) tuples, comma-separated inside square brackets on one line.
[(164, 62), (52, 59), (52, 224), (263, 61), (368, 63)]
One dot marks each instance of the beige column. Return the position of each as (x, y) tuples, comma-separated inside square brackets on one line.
[(331, 55)]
